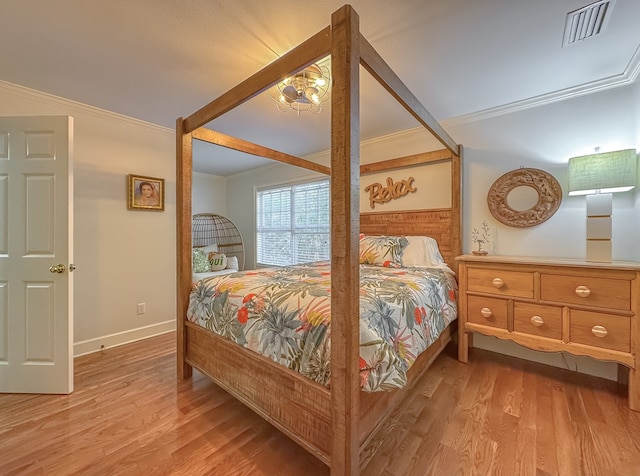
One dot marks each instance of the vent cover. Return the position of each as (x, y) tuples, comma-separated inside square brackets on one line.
[(587, 22)]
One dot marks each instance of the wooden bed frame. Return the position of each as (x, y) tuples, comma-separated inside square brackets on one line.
[(342, 426)]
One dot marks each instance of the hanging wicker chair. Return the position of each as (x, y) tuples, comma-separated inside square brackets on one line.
[(208, 228)]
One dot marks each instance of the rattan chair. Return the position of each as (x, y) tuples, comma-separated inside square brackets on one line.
[(209, 228)]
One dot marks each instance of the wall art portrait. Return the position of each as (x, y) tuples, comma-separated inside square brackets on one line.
[(145, 193)]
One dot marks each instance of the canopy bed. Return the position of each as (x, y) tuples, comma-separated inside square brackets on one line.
[(338, 423)]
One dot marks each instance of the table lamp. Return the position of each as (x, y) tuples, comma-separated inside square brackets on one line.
[(599, 176)]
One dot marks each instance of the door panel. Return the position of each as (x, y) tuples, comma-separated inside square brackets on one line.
[(39, 323), (39, 217), (4, 323), (4, 214)]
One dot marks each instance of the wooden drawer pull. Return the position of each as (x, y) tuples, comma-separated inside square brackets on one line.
[(498, 282), (599, 331), (583, 291), (486, 312), (537, 321)]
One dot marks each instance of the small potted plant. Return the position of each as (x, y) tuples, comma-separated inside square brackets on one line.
[(480, 238)]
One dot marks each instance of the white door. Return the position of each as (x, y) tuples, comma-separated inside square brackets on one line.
[(36, 249)]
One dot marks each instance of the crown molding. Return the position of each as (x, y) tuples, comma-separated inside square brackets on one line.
[(625, 78), (49, 99), (629, 75)]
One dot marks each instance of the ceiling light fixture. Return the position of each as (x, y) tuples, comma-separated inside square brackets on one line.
[(304, 91)]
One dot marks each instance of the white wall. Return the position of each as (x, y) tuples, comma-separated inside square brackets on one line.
[(123, 257), (543, 137), (546, 137), (241, 187), (209, 194), (635, 104)]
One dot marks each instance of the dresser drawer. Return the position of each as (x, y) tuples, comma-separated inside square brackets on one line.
[(487, 311), (499, 282), (586, 291), (601, 330), (538, 320)]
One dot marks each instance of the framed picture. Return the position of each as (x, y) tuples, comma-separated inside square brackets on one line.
[(145, 193)]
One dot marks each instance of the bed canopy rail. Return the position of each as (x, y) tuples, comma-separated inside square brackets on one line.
[(247, 147), (348, 50)]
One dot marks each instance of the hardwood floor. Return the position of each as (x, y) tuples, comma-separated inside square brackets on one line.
[(496, 415)]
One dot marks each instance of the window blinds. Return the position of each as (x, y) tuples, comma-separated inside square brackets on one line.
[(293, 224)]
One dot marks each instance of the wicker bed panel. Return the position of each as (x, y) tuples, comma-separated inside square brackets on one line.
[(379, 411), (434, 223), (299, 407)]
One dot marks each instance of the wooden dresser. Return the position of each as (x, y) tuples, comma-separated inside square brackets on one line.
[(580, 307)]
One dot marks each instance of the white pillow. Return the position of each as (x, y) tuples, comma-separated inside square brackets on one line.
[(422, 251), (209, 248), (232, 262)]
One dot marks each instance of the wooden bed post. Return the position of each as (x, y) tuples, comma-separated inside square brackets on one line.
[(184, 169), (345, 227), (456, 204)]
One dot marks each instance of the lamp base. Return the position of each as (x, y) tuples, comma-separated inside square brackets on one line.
[(599, 251), (599, 208)]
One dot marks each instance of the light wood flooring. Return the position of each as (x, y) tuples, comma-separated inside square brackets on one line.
[(496, 415)]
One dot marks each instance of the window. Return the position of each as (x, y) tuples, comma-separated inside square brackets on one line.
[(293, 224)]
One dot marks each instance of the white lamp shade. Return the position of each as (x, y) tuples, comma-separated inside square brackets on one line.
[(607, 172)]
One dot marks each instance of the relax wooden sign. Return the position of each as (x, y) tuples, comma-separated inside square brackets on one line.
[(378, 193)]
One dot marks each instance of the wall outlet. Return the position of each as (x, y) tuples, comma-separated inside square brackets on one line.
[(142, 308)]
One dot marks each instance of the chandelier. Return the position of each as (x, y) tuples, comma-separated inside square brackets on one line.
[(304, 91)]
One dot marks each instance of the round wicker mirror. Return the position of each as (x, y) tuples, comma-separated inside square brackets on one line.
[(549, 197)]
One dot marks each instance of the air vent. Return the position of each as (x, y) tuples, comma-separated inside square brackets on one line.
[(587, 22)]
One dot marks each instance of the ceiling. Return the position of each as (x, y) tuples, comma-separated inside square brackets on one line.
[(159, 60)]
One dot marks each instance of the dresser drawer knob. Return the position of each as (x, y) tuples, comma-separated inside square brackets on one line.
[(583, 291), (599, 331), (486, 312), (537, 321), (498, 282)]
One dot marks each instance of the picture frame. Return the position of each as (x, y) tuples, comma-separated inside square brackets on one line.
[(145, 193)]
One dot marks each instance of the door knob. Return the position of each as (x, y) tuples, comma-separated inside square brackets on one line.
[(59, 268)]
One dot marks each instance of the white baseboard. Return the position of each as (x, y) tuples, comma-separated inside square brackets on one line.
[(563, 360), (114, 340)]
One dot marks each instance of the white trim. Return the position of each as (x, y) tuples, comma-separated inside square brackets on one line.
[(47, 98), (121, 338), (627, 77)]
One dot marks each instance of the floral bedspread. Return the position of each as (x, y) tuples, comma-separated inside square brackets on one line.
[(285, 314)]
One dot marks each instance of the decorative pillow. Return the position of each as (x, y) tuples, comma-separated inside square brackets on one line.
[(232, 262), (200, 262), (217, 261), (382, 250), (422, 251)]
